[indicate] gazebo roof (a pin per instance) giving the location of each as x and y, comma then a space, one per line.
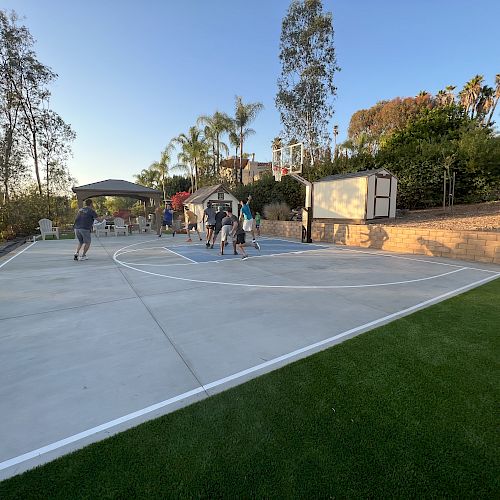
117, 186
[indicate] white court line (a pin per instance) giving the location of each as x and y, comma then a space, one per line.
231, 258
179, 255
19, 253
376, 254
149, 409
341, 248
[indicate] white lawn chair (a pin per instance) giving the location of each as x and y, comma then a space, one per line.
45, 226
120, 226
101, 228
144, 227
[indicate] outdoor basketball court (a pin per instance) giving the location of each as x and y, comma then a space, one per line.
147, 325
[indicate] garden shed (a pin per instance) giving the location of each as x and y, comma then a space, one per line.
356, 197
218, 195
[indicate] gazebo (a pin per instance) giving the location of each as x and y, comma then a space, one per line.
116, 187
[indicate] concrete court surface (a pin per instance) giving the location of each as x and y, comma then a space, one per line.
148, 325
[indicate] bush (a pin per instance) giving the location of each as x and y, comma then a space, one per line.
277, 211
178, 200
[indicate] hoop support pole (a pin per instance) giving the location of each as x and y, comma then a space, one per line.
307, 229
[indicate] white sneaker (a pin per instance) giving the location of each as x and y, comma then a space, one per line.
256, 245
84, 257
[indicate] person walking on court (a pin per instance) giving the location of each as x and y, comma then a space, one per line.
158, 219
168, 219
248, 221
191, 223
209, 220
228, 229
239, 240
218, 224
83, 226
257, 222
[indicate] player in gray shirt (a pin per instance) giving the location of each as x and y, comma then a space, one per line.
209, 218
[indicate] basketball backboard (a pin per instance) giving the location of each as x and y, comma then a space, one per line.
288, 160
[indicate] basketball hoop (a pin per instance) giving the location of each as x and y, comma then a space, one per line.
288, 160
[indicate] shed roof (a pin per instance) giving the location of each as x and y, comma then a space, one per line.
117, 185
362, 173
202, 194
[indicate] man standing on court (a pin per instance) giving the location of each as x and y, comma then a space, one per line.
168, 219
248, 220
83, 225
229, 227
209, 219
218, 224
191, 223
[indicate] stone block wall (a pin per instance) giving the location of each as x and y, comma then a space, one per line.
479, 246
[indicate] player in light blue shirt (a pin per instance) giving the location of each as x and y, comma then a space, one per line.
248, 223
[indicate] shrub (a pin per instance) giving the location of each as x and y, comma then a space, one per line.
178, 200
277, 211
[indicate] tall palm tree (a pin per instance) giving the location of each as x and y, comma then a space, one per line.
194, 149
234, 139
149, 178
469, 95
496, 97
244, 115
163, 165
218, 124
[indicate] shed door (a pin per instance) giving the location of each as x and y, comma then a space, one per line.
382, 196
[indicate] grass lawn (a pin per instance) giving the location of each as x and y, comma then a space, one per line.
406, 410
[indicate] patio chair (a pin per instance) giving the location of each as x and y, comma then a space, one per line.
101, 228
120, 226
45, 226
144, 227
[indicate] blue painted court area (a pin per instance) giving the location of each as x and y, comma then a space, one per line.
268, 247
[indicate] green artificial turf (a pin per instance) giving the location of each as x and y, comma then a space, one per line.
406, 410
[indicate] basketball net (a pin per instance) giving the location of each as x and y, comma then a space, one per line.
288, 160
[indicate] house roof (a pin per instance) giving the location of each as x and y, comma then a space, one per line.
362, 173
112, 186
202, 194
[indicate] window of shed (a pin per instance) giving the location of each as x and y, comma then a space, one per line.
220, 196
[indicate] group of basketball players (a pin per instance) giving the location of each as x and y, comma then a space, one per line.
223, 221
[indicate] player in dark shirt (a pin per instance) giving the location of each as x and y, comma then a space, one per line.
83, 226
218, 224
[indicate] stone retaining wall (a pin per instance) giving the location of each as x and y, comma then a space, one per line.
479, 246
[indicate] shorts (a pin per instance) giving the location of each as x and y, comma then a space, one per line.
217, 229
240, 238
257, 226
225, 232
193, 226
166, 223
247, 225
83, 236
210, 226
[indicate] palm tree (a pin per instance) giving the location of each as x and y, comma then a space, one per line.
217, 124
469, 95
496, 97
194, 152
244, 115
234, 139
149, 178
163, 165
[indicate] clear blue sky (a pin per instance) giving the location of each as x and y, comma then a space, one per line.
132, 74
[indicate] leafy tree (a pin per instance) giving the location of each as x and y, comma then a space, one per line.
244, 114
54, 138
308, 64
177, 183
149, 177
